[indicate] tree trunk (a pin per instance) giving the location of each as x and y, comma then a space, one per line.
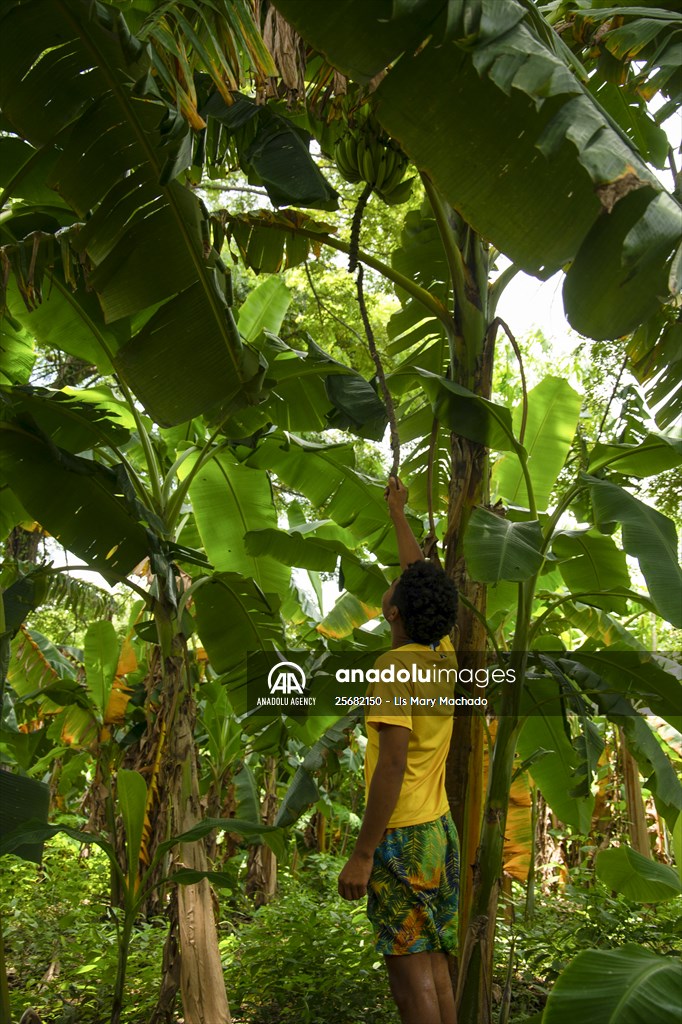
261, 875
639, 835
170, 968
23, 544
204, 1000
166, 755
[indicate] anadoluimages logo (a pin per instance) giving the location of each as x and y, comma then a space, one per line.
286, 677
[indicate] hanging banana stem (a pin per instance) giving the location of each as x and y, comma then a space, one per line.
490, 333
355, 227
430, 542
381, 376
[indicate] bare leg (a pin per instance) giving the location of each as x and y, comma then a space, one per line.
420, 983
440, 968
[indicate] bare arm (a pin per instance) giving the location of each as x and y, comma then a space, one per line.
396, 498
383, 795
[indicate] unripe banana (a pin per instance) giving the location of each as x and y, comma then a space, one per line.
382, 163
367, 166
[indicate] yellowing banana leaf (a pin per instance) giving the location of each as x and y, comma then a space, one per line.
347, 614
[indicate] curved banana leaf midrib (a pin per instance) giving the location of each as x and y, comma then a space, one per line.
247, 613
594, 564
220, 315
240, 511
639, 978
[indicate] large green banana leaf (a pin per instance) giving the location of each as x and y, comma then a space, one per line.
80, 502
272, 152
268, 241
71, 70
421, 258
327, 476
555, 774
302, 791
16, 353
637, 877
637, 676
469, 414
12, 512
513, 140
591, 562
587, 615
498, 549
607, 693
647, 535
628, 985
655, 353
317, 551
100, 656
230, 499
264, 308
23, 800
654, 455
233, 617
67, 320
553, 410
70, 423
313, 391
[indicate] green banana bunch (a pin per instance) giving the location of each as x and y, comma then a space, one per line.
364, 153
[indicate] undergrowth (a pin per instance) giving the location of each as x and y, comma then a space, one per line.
306, 958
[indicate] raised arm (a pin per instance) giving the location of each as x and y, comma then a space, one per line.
408, 548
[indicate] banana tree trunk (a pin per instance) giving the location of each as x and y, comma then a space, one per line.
464, 766
261, 876
472, 354
204, 999
639, 835
168, 759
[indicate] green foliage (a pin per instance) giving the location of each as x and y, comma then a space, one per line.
615, 985
636, 877
308, 958
569, 921
57, 924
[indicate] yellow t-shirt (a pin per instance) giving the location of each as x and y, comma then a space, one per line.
418, 682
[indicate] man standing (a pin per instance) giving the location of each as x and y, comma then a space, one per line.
406, 858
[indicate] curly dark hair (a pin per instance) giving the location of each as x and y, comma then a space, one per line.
427, 601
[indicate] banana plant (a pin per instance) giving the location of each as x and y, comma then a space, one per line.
629, 978
137, 878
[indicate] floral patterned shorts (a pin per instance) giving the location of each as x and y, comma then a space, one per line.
414, 888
